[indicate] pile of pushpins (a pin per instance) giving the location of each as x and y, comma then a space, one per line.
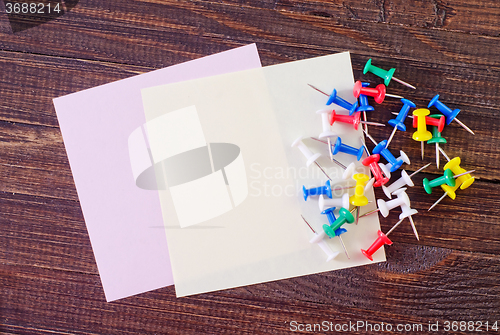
428, 129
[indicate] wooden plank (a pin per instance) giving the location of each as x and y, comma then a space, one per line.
416, 285
154, 34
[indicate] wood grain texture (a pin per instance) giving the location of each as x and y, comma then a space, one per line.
48, 276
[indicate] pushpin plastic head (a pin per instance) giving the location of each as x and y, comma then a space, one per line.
335, 99
341, 147
349, 171
325, 112
447, 178
378, 93
422, 134
381, 148
435, 120
386, 206
375, 168
454, 166
325, 203
451, 191
401, 182
386, 75
327, 190
359, 198
436, 133
448, 112
398, 122
310, 156
379, 242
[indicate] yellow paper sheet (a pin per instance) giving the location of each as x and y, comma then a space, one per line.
254, 232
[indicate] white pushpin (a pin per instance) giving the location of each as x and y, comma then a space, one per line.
325, 203
327, 132
310, 156
385, 170
349, 172
385, 206
369, 184
404, 180
407, 212
319, 239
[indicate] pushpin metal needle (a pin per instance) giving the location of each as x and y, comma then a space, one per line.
413, 227
364, 145
319, 166
403, 83
394, 96
394, 227
343, 246
330, 145
320, 91
444, 154
369, 213
370, 137
438, 201
423, 167
422, 148
464, 126
303, 218
392, 135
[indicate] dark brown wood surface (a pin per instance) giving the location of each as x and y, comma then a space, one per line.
49, 281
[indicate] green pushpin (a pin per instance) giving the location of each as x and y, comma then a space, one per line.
436, 137
447, 178
386, 75
344, 216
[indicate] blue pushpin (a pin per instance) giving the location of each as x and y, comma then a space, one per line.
364, 106
327, 190
381, 149
339, 146
329, 214
447, 112
333, 98
398, 122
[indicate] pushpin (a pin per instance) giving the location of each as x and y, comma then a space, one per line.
436, 138
364, 106
355, 120
334, 98
454, 165
447, 178
381, 149
327, 132
377, 172
450, 114
386, 168
406, 211
325, 203
404, 180
319, 239
398, 122
385, 206
378, 93
379, 242
359, 198
344, 216
341, 147
437, 121
334, 229
327, 190
422, 134
333, 159
310, 156
386, 75
448, 191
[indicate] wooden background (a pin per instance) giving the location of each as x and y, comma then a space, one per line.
49, 281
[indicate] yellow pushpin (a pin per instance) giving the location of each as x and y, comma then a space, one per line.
454, 166
448, 191
359, 198
422, 134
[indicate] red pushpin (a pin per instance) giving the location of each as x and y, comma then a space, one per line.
379, 242
379, 92
355, 120
372, 161
430, 121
